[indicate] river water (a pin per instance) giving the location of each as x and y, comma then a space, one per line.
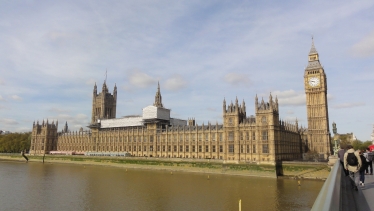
37, 186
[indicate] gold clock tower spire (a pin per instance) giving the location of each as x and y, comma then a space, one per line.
315, 83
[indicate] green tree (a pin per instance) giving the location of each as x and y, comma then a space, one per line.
365, 145
15, 142
356, 144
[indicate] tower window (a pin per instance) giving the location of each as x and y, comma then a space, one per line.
231, 136
265, 135
265, 148
231, 148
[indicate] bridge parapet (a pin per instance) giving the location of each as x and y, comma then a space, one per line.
337, 193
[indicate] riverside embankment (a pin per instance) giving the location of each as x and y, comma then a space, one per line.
303, 170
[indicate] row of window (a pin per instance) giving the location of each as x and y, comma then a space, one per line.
169, 148
264, 136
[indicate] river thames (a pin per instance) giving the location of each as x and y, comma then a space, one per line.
37, 186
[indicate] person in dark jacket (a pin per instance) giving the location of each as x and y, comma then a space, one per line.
363, 168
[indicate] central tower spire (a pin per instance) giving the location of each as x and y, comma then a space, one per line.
158, 97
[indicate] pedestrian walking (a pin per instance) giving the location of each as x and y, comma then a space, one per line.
341, 159
352, 163
369, 159
363, 168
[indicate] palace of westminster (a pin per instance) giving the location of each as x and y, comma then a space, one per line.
260, 138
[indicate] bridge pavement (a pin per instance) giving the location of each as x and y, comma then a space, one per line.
368, 191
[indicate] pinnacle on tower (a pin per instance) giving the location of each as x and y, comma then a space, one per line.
313, 48
65, 127
313, 61
115, 89
105, 88
158, 97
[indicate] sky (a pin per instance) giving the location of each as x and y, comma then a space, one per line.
202, 52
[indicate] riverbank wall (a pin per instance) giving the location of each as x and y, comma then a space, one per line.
293, 170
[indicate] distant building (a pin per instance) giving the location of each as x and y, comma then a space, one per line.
372, 136
347, 138
4, 132
262, 137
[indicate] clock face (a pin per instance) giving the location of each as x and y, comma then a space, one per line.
313, 81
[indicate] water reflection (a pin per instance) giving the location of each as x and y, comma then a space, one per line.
35, 186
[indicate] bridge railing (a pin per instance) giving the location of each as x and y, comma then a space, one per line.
337, 193
330, 194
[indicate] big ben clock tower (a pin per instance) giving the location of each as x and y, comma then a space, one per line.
315, 83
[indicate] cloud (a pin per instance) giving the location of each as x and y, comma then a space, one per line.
23, 129
291, 119
211, 109
237, 79
365, 47
81, 116
74, 121
9, 121
16, 97
57, 35
1, 98
59, 110
348, 105
140, 79
91, 81
290, 97
2, 82
175, 83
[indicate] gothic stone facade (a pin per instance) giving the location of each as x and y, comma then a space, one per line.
315, 82
262, 138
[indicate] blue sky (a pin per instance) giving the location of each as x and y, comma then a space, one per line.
52, 53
